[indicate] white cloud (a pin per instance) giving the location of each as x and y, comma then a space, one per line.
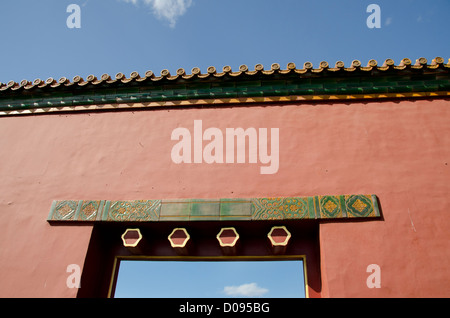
388, 21
131, 1
246, 290
169, 10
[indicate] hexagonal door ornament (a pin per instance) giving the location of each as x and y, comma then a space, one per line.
131, 239
179, 239
228, 239
279, 237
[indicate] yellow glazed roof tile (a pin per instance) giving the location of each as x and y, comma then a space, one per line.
212, 72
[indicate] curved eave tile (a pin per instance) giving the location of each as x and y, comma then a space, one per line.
196, 73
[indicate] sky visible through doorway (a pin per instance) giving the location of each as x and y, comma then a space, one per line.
210, 279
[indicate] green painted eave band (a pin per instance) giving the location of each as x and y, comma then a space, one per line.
227, 89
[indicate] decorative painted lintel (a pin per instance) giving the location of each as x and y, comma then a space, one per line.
279, 208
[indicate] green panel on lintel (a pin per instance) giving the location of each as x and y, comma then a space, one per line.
235, 209
175, 210
204, 210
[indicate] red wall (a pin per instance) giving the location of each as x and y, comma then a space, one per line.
398, 150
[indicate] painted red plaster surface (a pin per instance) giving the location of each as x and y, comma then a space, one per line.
399, 151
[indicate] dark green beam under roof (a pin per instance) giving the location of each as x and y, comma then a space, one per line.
307, 81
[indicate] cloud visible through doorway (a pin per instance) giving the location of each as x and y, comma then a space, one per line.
245, 290
169, 10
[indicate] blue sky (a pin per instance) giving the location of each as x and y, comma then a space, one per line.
218, 279
140, 35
